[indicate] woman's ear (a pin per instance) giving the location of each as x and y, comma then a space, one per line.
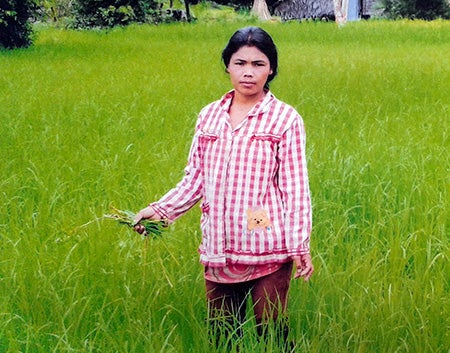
226, 70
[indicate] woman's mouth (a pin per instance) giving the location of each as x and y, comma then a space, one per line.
247, 84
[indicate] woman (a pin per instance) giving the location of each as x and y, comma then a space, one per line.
247, 164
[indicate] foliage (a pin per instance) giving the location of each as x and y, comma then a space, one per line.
153, 228
110, 13
207, 12
15, 29
247, 4
54, 10
420, 9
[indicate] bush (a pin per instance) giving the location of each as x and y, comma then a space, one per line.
420, 9
110, 13
54, 10
15, 28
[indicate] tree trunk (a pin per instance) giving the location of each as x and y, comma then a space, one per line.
188, 12
304, 9
340, 11
261, 10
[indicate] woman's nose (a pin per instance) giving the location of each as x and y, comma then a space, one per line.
248, 71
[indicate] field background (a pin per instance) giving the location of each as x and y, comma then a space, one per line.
93, 119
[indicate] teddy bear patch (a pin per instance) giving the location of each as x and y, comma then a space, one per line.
258, 220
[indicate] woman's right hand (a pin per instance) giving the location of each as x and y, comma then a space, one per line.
146, 213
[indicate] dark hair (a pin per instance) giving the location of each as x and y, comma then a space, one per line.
253, 37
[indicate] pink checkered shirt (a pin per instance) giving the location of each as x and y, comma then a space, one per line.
258, 165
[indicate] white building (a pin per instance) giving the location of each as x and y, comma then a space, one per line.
324, 9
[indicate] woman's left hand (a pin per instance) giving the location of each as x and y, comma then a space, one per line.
304, 266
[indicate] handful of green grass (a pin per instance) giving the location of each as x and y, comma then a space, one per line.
154, 228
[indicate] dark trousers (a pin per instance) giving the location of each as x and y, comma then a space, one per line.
227, 306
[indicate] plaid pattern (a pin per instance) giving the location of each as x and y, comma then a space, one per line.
237, 273
259, 164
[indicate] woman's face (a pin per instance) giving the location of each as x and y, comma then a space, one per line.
249, 69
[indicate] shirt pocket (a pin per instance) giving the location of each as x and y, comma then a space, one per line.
258, 241
206, 137
265, 137
264, 142
207, 144
263, 150
206, 141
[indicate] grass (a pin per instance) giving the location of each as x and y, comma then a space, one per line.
90, 119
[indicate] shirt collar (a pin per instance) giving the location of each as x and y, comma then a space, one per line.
261, 107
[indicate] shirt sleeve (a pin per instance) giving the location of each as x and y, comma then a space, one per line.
294, 186
187, 192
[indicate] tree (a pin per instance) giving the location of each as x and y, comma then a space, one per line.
15, 27
110, 13
54, 10
301, 9
261, 10
420, 9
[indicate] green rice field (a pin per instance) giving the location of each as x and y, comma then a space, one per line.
96, 119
